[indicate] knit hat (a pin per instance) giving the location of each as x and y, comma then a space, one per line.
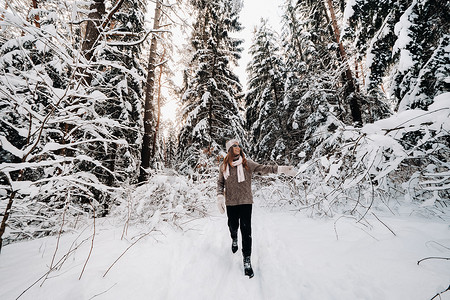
231, 143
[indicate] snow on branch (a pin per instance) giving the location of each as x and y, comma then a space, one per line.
353, 170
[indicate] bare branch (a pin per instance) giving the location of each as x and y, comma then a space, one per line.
439, 294
432, 257
92, 241
384, 224
144, 235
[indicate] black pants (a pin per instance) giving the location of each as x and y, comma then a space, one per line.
241, 215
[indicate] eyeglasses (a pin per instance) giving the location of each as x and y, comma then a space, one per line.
235, 145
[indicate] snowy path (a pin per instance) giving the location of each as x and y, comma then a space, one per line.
294, 257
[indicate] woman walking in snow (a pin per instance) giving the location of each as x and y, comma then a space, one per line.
234, 195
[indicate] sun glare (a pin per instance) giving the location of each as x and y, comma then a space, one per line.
169, 111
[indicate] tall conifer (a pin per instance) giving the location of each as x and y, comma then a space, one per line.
210, 104
264, 100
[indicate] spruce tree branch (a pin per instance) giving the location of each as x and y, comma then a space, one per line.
400, 126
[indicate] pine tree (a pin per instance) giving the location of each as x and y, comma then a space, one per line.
170, 146
431, 80
210, 104
264, 100
297, 48
371, 32
423, 59
404, 41
322, 92
350, 88
312, 88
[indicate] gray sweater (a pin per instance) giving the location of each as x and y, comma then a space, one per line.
240, 193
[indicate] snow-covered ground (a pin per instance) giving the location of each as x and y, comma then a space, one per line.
294, 257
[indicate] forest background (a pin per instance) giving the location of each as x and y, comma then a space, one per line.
354, 93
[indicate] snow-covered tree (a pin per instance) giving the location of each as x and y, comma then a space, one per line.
170, 146
118, 74
151, 122
422, 49
264, 100
370, 31
210, 104
297, 49
406, 152
404, 47
321, 89
70, 126
312, 90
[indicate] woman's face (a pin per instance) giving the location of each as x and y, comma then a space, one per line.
236, 149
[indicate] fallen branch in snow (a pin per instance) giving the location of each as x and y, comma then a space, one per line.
335, 228
123, 253
125, 226
57, 265
103, 291
92, 241
433, 257
437, 244
384, 224
59, 235
439, 294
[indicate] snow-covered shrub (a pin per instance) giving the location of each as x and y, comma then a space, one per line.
274, 191
169, 196
394, 161
405, 155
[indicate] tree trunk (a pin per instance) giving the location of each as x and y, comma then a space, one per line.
354, 105
97, 9
5, 218
295, 35
158, 104
96, 24
149, 108
36, 17
8, 211
356, 74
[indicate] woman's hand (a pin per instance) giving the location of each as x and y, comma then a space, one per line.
221, 203
288, 170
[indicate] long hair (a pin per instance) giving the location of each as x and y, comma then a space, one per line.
228, 160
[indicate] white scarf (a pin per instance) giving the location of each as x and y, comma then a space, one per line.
240, 170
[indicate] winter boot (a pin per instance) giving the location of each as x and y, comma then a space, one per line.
248, 267
234, 246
